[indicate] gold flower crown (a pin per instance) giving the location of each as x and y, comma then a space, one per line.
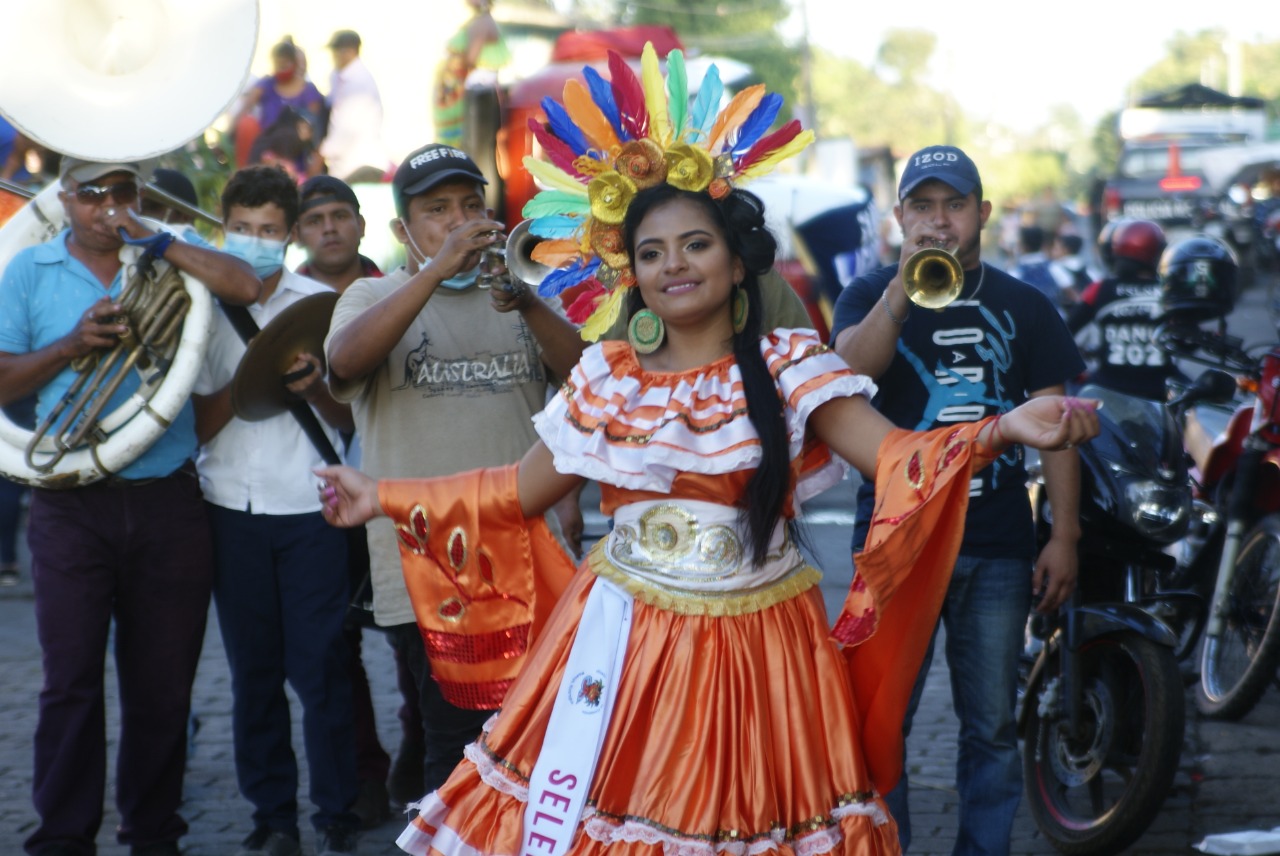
607, 140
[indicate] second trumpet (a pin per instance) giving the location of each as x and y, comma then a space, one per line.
932, 277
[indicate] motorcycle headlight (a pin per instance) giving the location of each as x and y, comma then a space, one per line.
1159, 511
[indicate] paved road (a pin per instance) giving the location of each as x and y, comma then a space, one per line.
1229, 778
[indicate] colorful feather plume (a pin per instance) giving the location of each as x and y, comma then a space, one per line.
755, 126
557, 151
628, 94
554, 177
677, 93
602, 94
562, 126
655, 96
732, 116
607, 139
551, 202
705, 106
562, 279
582, 109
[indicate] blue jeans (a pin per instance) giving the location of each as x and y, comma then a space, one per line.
985, 614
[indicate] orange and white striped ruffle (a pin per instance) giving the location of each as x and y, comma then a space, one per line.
616, 423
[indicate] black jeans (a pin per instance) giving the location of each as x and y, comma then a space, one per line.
446, 728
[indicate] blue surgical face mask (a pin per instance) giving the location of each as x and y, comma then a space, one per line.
265, 255
462, 279
459, 281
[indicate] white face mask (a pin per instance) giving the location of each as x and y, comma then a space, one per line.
457, 282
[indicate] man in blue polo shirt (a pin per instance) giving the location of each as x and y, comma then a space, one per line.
1000, 342
133, 548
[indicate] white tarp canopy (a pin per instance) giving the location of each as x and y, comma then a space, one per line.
1224, 164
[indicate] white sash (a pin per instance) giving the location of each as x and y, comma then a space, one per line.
580, 716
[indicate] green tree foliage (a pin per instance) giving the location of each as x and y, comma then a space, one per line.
745, 30
887, 105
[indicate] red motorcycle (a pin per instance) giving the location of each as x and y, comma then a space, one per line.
1228, 566
1231, 555
1237, 488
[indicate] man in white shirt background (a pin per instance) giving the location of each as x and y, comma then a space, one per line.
352, 147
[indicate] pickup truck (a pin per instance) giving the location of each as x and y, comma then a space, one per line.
1162, 180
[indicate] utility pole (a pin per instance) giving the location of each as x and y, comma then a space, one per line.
808, 113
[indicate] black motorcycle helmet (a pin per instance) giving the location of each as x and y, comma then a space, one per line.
1197, 280
1138, 241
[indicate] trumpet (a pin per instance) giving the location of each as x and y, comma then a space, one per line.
500, 262
932, 277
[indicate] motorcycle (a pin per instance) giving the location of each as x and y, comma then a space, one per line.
1103, 710
1231, 556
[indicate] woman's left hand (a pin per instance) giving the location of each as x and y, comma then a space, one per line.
1050, 422
348, 497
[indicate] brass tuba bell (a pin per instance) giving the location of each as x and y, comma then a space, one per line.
127, 80
932, 277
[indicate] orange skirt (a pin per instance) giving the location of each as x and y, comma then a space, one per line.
730, 734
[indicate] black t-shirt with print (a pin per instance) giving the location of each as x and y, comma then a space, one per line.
973, 359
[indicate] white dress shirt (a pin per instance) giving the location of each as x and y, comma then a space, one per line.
261, 467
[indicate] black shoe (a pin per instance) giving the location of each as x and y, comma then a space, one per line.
408, 772
58, 850
9, 577
372, 805
336, 840
269, 842
165, 848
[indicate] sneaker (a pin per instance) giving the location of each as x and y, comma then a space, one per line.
269, 842
8, 575
336, 840
372, 805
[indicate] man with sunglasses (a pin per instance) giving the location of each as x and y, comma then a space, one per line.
133, 548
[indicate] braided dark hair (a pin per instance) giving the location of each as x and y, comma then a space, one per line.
740, 219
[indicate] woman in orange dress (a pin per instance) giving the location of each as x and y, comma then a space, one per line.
686, 695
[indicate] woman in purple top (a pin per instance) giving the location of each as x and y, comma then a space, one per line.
286, 87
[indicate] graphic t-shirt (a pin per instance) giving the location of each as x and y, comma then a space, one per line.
458, 391
981, 355
1127, 313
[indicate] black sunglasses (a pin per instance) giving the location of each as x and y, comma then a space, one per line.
124, 193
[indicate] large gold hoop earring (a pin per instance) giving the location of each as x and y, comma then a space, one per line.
741, 305
646, 331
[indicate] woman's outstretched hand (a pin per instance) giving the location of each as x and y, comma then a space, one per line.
1050, 422
348, 497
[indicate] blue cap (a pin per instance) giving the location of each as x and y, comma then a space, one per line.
940, 163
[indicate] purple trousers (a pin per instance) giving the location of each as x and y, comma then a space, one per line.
138, 555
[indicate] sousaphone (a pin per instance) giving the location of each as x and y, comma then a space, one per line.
117, 80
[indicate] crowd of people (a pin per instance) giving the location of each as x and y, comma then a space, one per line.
550, 700
283, 119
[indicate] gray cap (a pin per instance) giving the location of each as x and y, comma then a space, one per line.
80, 171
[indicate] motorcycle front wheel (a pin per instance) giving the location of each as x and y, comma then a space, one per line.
1236, 667
1096, 791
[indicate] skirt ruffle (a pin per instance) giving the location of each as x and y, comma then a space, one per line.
732, 734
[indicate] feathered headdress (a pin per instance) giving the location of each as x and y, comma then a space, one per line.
606, 140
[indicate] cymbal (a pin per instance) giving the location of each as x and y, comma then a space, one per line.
258, 388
